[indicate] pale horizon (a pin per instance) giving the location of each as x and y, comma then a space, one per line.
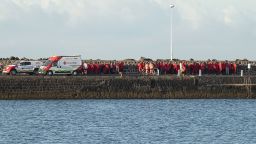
121, 29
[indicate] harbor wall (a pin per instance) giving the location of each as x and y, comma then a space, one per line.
143, 87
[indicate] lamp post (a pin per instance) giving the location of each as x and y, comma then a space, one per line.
171, 6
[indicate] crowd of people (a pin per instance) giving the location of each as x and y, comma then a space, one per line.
163, 67
191, 68
103, 68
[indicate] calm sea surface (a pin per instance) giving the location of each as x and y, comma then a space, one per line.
128, 121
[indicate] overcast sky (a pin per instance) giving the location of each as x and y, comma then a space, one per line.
119, 29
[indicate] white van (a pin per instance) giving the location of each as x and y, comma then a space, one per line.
55, 65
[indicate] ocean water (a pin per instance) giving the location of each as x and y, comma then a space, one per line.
128, 121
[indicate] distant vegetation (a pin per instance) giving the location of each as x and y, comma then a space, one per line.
23, 58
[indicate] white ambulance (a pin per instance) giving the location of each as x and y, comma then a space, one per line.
59, 65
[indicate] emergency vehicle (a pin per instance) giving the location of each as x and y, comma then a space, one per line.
59, 65
29, 67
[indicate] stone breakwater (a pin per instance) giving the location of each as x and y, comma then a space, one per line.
165, 87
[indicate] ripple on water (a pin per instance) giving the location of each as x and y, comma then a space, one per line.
128, 121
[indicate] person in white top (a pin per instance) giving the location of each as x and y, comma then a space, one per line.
85, 65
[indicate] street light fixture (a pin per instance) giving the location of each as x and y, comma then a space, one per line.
171, 6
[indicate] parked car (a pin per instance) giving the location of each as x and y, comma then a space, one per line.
29, 67
62, 65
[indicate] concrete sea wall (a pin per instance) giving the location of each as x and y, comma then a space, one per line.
163, 87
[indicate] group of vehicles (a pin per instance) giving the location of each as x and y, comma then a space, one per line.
55, 65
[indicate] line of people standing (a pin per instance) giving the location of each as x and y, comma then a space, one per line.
188, 67
163, 67
103, 67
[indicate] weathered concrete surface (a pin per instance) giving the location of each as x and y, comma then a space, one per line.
66, 87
